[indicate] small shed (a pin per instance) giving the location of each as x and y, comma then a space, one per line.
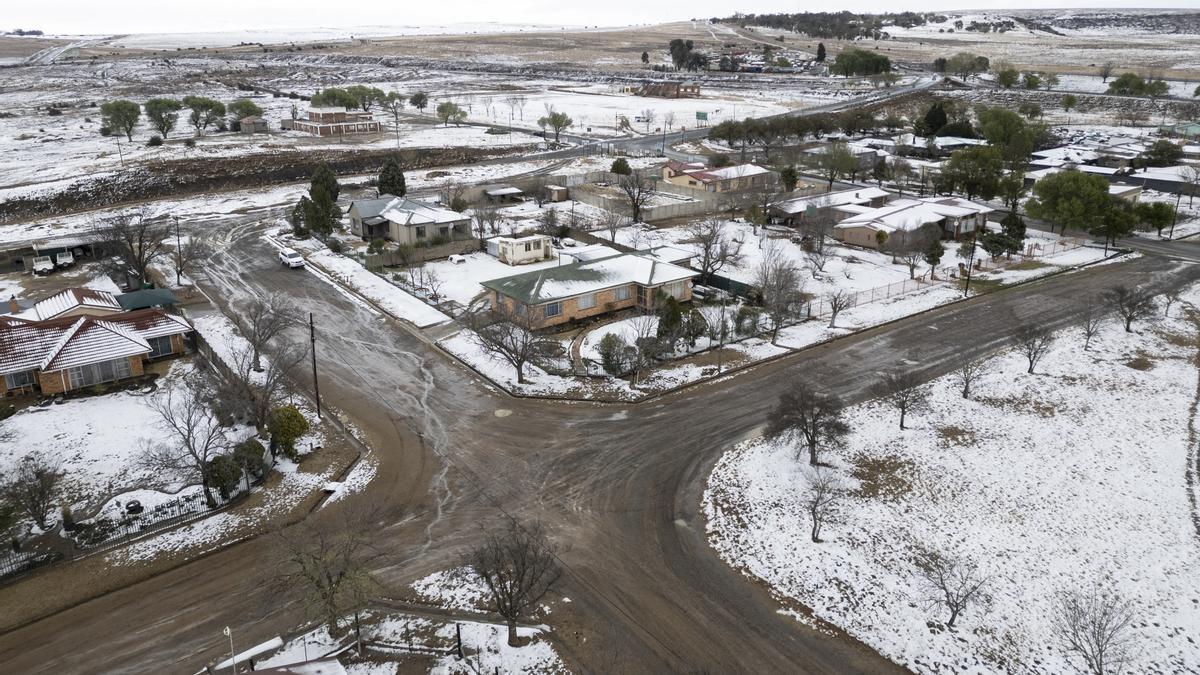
254, 125
503, 193
557, 193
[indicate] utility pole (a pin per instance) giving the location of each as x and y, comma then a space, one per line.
119, 152
1175, 215
971, 265
178, 256
312, 337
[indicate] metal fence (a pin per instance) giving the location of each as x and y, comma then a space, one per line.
822, 306
1036, 250
19, 563
105, 531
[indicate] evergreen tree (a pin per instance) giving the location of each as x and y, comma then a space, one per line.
670, 322
935, 119
820, 52
325, 177
391, 179
933, 254
322, 213
1013, 228
299, 217
620, 166
645, 57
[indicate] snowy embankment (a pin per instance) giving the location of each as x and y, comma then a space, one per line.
1069, 479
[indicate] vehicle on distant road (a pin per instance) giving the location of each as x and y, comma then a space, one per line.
289, 258
43, 265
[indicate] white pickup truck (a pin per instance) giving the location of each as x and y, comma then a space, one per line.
289, 258
43, 265
64, 260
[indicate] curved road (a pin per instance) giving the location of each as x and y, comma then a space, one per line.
618, 486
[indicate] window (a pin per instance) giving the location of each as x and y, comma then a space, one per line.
641, 296
421, 232
160, 346
96, 373
674, 289
18, 380
552, 309
622, 292
586, 301
444, 232
528, 247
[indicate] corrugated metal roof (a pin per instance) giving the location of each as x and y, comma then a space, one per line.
73, 298
66, 342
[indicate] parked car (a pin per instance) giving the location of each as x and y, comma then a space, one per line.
289, 258
43, 265
64, 260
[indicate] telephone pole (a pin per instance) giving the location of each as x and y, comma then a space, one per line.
312, 337
178, 255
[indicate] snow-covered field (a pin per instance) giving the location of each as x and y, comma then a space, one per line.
1070, 478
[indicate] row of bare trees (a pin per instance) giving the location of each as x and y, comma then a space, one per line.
130, 242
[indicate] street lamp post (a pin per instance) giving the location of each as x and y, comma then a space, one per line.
232, 654
1175, 215
178, 256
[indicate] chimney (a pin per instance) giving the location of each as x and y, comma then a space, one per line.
13, 305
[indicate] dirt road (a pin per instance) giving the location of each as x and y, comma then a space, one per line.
620, 485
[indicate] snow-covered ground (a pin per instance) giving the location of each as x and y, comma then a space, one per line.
1065, 479
96, 439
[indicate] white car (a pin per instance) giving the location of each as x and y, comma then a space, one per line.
43, 265
64, 260
289, 258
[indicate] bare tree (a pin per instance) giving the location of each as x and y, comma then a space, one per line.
782, 289
822, 498
518, 564
1190, 173
904, 391
434, 283
669, 119
536, 188
195, 435
815, 415
838, 300
648, 116
132, 239
817, 260
716, 249
242, 390
1093, 317
951, 583
33, 486
325, 564
1033, 342
1131, 304
266, 319
647, 347
1106, 69
637, 188
1097, 627
1170, 297
508, 334
197, 247
486, 218
612, 222
969, 372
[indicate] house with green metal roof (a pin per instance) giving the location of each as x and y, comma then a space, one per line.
557, 295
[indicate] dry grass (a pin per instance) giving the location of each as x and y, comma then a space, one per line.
885, 477
956, 435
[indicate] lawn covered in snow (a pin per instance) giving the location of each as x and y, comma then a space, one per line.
1068, 478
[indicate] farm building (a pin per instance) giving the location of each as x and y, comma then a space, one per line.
336, 122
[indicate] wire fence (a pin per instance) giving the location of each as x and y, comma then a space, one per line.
824, 306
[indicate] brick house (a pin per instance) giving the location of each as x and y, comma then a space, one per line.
558, 295
835, 206
950, 217
689, 89
699, 177
336, 122
82, 344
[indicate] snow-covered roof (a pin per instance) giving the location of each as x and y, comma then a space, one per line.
669, 254
404, 211
727, 172
908, 215
942, 142
521, 240
1068, 153
67, 342
1119, 189
589, 252
565, 281
839, 198
1082, 168
91, 340
502, 191
88, 299
1170, 174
